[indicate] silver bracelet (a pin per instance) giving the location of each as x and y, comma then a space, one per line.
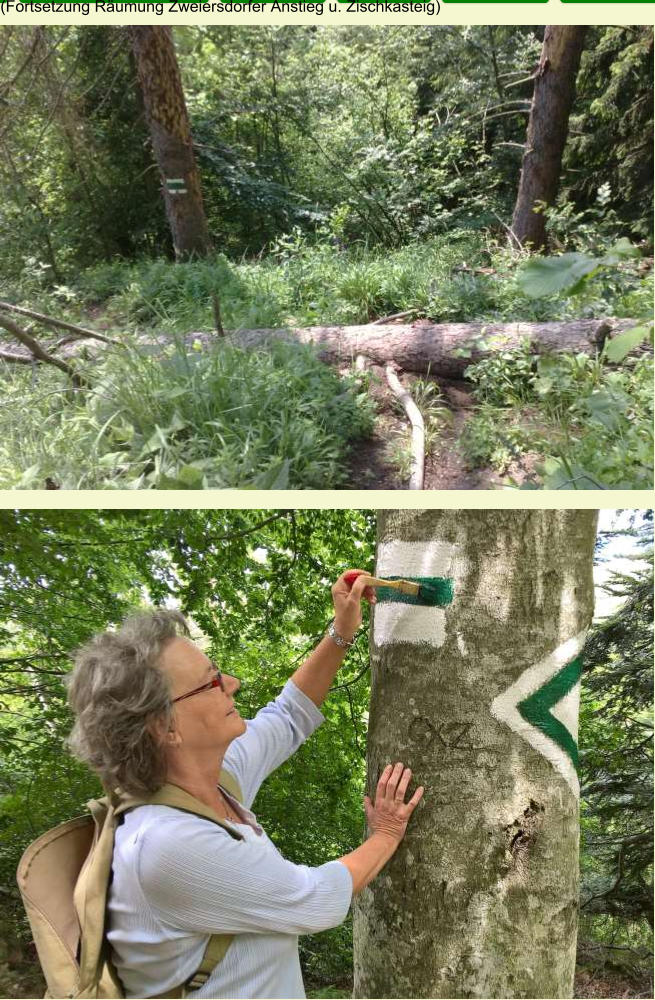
339, 639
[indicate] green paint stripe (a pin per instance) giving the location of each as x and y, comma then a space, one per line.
436, 591
536, 708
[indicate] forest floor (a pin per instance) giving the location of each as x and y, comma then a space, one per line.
21, 979
25, 981
381, 462
459, 445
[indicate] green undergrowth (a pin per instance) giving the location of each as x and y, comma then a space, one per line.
591, 421
461, 276
166, 417
220, 418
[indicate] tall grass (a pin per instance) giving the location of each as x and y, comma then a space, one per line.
172, 418
459, 277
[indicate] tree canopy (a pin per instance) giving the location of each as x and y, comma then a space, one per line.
381, 134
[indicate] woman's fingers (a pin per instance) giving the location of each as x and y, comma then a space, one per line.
392, 783
360, 590
382, 782
351, 584
416, 798
402, 785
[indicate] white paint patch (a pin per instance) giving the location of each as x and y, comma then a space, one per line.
461, 645
504, 708
568, 711
413, 623
409, 623
415, 558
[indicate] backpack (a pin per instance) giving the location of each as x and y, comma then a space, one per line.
64, 878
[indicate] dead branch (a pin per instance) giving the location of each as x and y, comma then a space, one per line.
79, 331
387, 319
418, 430
38, 352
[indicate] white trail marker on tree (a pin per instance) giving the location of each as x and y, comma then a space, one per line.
541, 706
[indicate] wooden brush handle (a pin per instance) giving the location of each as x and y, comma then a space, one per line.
375, 581
405, 586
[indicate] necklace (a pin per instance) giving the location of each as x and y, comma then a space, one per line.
229, 811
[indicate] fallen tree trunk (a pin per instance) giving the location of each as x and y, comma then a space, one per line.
443, 348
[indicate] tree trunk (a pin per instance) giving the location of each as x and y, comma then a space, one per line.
166, 113
481, 899
444, 348
554, 90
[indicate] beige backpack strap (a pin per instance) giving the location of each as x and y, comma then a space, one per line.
90, 895
231, 785
215, 952
177, 798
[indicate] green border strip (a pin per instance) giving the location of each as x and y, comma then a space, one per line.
535, 709
188, 3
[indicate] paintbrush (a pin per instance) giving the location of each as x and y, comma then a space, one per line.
428, 590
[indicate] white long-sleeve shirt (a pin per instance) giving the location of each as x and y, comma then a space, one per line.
177, 879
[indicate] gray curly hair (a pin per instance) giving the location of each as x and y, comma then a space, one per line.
116, 690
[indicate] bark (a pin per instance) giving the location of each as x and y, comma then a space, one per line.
168, 121
554, 91
444, 348
481, 898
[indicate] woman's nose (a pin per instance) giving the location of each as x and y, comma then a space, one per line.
232, 684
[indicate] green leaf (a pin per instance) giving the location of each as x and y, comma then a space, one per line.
603, 408
156, 442
558, 474
276, 477
549, 275
112, 458
623, 249
190, 477
177, 423
30, 477
618, 347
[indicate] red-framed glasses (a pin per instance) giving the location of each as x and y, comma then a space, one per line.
215, 682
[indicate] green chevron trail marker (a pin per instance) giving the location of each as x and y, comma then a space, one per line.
542, 705
537, 708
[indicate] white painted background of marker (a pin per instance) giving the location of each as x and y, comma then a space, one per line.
410, 622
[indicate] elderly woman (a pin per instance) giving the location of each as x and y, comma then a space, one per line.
152, 709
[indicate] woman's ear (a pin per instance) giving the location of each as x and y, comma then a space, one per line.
173, 738
163, 731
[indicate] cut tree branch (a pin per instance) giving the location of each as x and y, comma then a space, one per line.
79, 331
38, 352
418, 430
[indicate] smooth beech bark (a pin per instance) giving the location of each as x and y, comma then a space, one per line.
481, 898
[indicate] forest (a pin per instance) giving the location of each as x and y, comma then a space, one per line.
256, 584
310, 257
